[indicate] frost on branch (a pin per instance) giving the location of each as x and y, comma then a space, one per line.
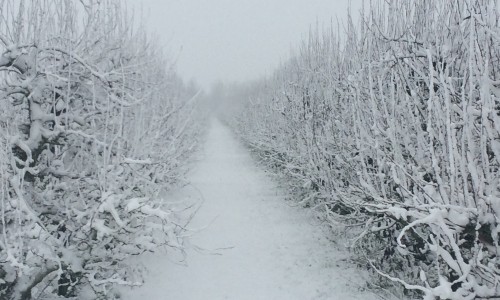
94, 126
393, 131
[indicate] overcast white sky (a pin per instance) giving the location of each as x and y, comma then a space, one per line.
235, 40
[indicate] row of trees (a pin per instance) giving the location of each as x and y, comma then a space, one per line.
94, 126
395, 130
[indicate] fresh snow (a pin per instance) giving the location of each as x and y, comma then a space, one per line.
247, 241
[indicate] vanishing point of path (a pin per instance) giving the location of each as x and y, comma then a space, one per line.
254, 244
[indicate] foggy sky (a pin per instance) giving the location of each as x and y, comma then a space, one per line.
235, 40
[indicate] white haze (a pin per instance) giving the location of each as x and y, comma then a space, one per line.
236, 40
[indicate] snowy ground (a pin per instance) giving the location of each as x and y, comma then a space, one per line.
256, 246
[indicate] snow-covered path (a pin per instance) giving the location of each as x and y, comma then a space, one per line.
256, 245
